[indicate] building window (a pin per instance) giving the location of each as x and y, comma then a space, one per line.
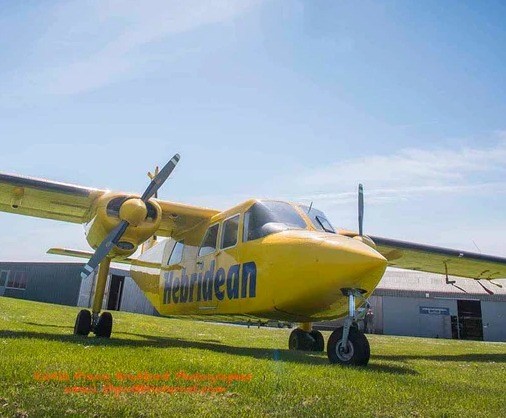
16, 280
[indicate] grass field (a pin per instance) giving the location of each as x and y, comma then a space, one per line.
405, 377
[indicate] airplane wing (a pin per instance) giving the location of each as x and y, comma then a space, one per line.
412, 256
46, 199
179, 219
70, 203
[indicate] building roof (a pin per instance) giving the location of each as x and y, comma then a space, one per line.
409, 283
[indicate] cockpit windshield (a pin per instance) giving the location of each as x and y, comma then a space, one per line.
267, 217
318, 219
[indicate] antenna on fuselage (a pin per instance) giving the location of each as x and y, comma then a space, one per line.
310, 206
476, 245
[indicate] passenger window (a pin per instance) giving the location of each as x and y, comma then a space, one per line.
209, 243
177, 254
229, 232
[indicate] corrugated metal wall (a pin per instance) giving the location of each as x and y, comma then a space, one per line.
61, 283
47, 282
494, 321
403, 316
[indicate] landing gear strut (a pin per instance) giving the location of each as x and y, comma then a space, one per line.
86, 322
348, 345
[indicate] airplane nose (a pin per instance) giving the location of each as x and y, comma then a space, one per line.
323, 266
348, 262
351, 257
342, 263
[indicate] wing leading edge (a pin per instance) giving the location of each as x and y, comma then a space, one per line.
71, 203
412, 256
46, 199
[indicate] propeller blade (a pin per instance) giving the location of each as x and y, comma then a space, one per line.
104, 248
360, 210
160, 178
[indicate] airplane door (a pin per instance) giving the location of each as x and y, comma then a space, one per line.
228, 266
206, 269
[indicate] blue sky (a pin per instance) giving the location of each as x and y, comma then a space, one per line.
300, 100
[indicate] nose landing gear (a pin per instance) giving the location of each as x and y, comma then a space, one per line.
348, 345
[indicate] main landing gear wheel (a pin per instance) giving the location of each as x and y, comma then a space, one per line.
355, 353
104, 325
319, 342
306, 341
83, 323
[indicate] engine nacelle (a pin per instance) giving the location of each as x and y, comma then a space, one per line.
362, 238
111, 209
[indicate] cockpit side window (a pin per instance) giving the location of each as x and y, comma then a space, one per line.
318, 219
229, 232
268, 217
327, 227
209, 242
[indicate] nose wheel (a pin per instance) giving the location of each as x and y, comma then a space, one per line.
348, 345
353, 352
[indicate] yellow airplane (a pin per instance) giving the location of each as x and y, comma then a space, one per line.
262, 259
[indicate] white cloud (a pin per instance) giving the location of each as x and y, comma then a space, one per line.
410, 172
92, 43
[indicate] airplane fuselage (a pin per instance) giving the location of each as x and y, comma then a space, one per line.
290, 274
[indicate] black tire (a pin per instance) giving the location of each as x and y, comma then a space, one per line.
104, 325
358, 352
319, 342
300, 340
367, 349
83, 323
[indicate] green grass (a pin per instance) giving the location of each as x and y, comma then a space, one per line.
405, 377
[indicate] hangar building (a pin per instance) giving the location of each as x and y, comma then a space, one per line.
427, 305
61, 283
405, 302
